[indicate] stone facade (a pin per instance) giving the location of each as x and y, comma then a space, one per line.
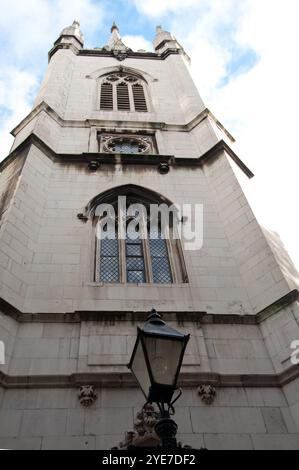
62, 330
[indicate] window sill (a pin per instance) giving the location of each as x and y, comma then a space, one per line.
142, 284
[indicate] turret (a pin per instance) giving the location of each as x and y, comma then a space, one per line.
70, 37
165, 41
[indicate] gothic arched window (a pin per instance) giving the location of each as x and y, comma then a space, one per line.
131, 251
121, 91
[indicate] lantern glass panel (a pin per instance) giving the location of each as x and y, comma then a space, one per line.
139, 369
164, 357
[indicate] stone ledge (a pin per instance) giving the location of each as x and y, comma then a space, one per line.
100, 52
292, 296
126, 380
135, 159
111, 317
148, 126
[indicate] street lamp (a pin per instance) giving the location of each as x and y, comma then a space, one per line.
156, 361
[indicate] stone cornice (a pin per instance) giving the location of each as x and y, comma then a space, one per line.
163, 43
112, 317
127, 125
68, 36
274, 308
154, 125
111, 159
214, 152
61, 46
126, 380
104, 53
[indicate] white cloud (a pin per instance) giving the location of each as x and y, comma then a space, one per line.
260, 106
20, 87
206, 36
31, 26
157, 8
137, 42
16, 88
28, 30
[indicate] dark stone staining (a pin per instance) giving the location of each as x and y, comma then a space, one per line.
8, 180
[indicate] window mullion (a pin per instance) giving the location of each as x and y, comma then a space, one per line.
146, 97
147, 262
122, 250
131, 98
178, 257
171, 256
114, 93
146, 251
122, 261
98, 261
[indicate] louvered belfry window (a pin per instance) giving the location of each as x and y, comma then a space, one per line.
123, 92
123, 101
139, 98
106, 96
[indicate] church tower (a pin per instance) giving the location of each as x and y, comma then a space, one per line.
107, 123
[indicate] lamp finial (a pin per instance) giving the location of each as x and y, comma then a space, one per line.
154, 315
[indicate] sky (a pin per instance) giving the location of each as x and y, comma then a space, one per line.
244, 61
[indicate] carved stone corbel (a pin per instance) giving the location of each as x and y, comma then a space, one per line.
207, 393
93, 165
163, 168
87, 395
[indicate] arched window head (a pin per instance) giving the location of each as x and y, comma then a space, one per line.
121, 91
135, 243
